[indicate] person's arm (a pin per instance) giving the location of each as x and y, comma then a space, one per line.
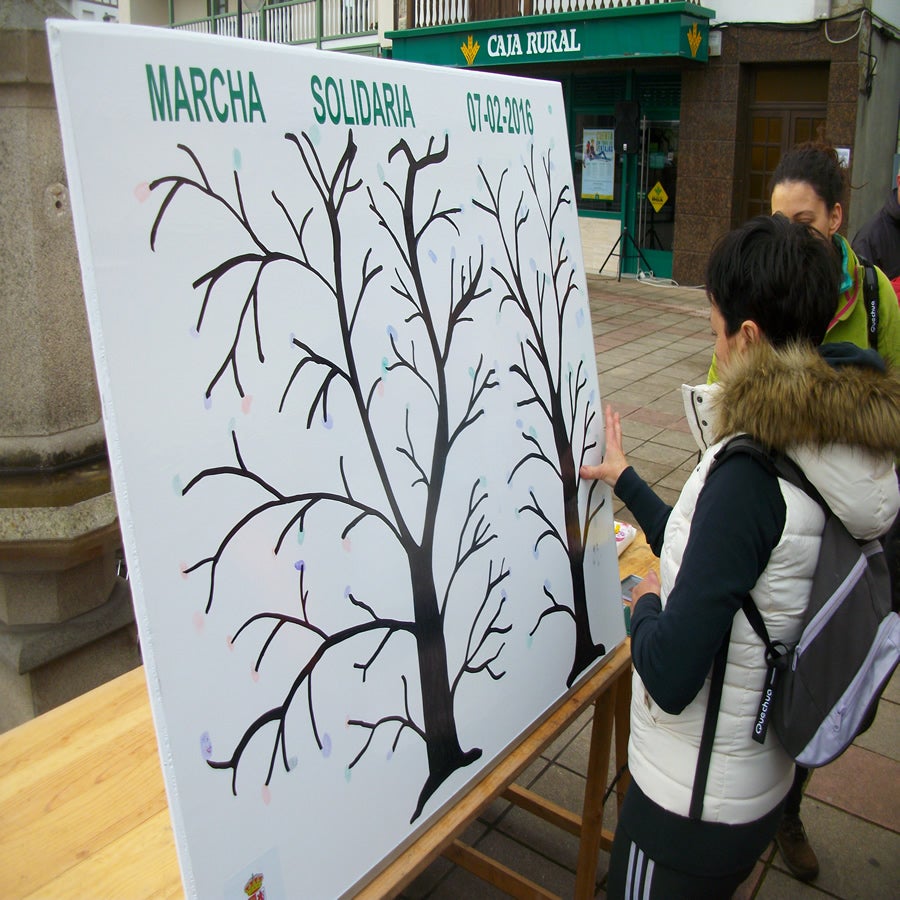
862, 245
738, 520
888, 321
651, 512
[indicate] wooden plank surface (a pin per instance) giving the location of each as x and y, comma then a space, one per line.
83, 808
75, 781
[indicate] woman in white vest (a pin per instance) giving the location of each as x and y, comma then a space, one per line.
835, 410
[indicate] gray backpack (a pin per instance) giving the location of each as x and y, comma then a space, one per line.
822, 691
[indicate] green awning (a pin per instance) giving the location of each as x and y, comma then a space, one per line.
671, 30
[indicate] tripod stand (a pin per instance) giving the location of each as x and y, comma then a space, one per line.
624, 234
651, 238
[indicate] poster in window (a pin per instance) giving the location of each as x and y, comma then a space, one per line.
599, 163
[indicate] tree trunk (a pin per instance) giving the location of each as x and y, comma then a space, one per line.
445, 755
586, 651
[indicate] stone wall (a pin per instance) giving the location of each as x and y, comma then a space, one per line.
66, 619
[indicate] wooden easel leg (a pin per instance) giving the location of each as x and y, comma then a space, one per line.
623, 730
592, 814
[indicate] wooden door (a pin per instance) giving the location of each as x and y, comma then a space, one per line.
773, 130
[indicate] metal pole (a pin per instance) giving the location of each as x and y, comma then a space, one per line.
240, 28
643, 181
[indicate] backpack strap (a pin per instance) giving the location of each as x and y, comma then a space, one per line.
774, 461
870, 297
778, 658
704, 755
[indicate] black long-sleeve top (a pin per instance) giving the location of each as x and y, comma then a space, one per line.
738, 521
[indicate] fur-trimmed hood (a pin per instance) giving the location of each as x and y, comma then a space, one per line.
840, 423
793, 396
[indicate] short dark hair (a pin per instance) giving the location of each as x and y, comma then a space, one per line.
779, 274
817, 165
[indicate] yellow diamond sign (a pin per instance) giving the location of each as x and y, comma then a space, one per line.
657, 197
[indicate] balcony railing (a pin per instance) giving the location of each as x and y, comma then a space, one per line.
427, 13
315, 21
295, 21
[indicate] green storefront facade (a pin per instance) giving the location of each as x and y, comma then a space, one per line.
620, 70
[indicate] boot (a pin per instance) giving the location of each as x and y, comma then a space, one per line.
796, 852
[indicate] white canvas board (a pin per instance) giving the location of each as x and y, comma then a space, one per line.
343, 344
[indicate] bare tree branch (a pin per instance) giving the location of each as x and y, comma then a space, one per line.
279, 713
474, 646
479, 536
405, 721
479, 386
555, 607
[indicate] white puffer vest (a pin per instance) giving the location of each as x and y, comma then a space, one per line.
848, 456
746, 780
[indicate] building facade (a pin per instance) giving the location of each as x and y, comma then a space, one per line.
677, 112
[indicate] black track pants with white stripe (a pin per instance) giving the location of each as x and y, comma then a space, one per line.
634, 876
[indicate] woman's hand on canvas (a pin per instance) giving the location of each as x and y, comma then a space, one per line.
614, 462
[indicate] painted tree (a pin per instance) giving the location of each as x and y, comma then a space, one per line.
421, 353
542, 292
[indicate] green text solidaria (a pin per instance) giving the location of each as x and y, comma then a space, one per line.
353, 101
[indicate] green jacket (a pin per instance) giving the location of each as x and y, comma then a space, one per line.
850, 318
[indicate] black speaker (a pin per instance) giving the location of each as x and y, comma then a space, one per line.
628, 132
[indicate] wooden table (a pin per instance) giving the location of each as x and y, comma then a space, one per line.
83, 809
